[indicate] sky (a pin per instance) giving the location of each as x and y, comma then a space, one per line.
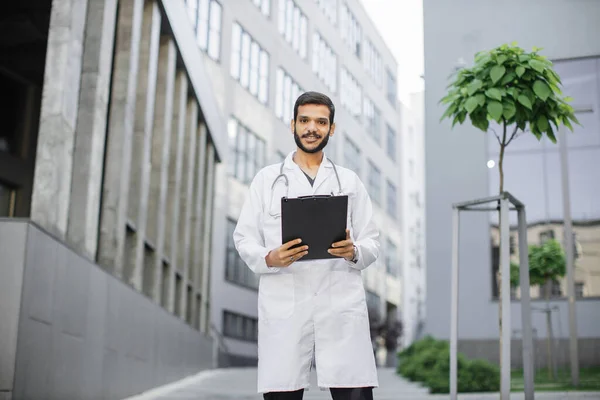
400, 23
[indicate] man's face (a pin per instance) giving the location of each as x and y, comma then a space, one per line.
312, 128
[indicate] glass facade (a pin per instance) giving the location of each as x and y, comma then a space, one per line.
248, 152
293, 26
206, 18
250, 64
324, 62
287, 91
532, 171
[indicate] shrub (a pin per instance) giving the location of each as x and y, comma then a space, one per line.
428, 361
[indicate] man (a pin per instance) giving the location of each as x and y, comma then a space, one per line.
310, 307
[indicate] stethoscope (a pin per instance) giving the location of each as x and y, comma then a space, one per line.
287, 185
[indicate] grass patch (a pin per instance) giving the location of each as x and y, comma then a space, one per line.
589, 380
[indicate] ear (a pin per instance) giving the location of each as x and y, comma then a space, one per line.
292, 125
332, 130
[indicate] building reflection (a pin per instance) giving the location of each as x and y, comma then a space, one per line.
586, 252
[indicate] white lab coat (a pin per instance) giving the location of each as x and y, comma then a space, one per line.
314, 305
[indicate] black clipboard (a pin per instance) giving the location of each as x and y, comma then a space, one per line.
318, 220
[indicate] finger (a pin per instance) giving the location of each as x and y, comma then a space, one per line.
296, 258
291, 243
293, 259
292, 252
341, 252
343, 243
347, 234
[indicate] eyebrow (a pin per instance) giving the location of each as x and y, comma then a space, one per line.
318, 118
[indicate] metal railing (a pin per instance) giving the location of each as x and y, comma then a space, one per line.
219, 344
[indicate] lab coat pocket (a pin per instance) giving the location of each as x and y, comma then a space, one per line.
347, 292
276, 296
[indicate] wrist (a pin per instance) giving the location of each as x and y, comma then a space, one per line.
354, 257
268, 259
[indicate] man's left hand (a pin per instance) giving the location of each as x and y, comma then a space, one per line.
344, 249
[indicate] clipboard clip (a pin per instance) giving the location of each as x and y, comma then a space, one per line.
313, 197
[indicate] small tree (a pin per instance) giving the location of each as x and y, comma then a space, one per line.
514, 274
547, 263
517, 90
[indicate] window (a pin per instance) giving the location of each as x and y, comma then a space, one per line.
551, 287
546, 235
324, 62
391, 88
350, 93
329, 8
391, 200
372, 63
248, 152
250, 64
16, 138
236, 270
206, 20
6, 202
374, 183
352, 156
391, 143
556, 290
372, 119
351, 30
293, 26
579, 290
287, 93
576, 247
240, 327
391, 263
264, 6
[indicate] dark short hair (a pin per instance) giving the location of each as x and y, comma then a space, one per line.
314, 98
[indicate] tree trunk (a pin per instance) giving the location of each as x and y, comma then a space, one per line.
501, 172
550, 336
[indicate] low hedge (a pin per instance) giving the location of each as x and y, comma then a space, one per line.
428, 361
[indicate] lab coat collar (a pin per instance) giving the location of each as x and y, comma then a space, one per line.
325, 170
290, 164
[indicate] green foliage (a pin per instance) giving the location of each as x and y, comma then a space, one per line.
514, 274
546, 262
511, 87
428, 361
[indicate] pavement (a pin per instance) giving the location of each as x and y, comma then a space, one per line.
240, 384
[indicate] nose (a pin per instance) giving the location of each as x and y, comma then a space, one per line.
312, 126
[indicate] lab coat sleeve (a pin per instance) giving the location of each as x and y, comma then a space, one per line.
364, 232
248, 234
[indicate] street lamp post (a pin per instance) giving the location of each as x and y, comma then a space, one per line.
568, 232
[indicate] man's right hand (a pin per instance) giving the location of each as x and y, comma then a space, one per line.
283, 256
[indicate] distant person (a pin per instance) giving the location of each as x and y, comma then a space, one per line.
318, 306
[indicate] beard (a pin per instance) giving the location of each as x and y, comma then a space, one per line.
317, 149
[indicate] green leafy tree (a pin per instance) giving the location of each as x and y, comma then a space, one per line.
547, 263
516, 90
514, 274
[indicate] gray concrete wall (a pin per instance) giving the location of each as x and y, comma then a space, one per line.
456, 159
487, 349
83, 334
12, 258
